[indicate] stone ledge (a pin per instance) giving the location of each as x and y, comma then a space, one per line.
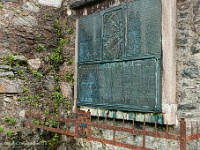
81, 3
137, 116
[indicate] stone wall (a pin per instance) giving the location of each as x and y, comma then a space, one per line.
36, 66
188, 58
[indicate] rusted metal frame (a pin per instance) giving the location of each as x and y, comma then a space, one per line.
182, 134
138, 131
87, 115
193, 136
144, 128
114, 132
89, 128
82, 118
115, 143
51, 129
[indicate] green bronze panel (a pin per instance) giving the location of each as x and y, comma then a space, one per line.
90, 38
113, 34
143, 27
119, 58
125, 84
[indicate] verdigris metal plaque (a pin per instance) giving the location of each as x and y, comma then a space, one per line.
143, 27
113, 33
120, 85
90, 38
119, 58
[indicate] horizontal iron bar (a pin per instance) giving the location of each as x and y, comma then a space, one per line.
193, 137
137, 131
106, 141
56, 130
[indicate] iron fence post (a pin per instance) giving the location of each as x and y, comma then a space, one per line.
182, 134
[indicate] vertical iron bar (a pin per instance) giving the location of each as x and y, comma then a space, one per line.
123, 122
192, 132
197, 130
98, 119
155, 128
144, 128
58, 126
88, 126
105, 120
182, 134
114, 131
133, 126
167, 129
76, 125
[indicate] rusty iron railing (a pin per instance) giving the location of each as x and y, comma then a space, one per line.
83, 125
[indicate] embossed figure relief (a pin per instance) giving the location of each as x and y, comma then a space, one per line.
113, 35
119, 58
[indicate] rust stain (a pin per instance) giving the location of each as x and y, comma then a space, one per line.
2, 89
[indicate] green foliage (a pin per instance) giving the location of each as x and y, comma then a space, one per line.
9, 120
24, 14
40, 47
57, 87
67, 104
56, 56
9, 58
56, 77
67, 40
70, 31
22, 99
37, 74
1, 129
45, 16
51, 123
39, 36
30, 97
58, 96
70, 61
17, 11
1, 6
36, 121
36, 4
57, 26
36, 104
42, 95
9, 133
37, 96
6, 119
53, 142
20, 72
69, 77
12, 121
46, 112
24, 90
62, 41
